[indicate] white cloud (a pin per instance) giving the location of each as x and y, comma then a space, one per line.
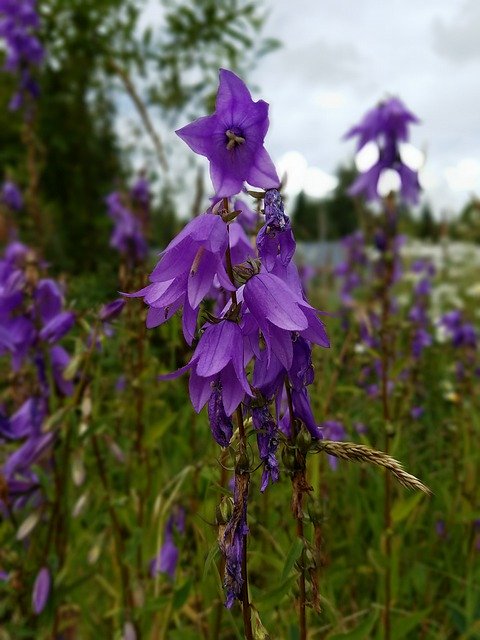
464, 176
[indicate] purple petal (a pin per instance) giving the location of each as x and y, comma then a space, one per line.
41, 590
263, 173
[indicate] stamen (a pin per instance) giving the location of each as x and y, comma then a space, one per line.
196, 262
233, 139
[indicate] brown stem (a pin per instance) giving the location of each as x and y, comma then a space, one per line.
385, 356
299, 484
246, 609
128, 601
142, 111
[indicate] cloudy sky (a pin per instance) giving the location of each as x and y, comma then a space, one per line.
341, 56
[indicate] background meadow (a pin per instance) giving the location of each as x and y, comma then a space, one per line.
113, 493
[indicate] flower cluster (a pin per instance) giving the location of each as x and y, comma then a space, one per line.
33, 321
257, 347
19, 23
386, 125
419, 312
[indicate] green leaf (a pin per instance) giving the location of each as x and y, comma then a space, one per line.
362, 632
401, 627
403, 508
181, 594
212, 556
292, 556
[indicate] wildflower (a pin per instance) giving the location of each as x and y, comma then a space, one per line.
41, 590
166, 561
232, 139
386, 125
186, 271
278, 312
218, 358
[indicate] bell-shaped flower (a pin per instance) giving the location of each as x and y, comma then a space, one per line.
186, 271
232, 139
390, 118
279, 311
217, 360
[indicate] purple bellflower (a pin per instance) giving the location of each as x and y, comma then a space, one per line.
167, 560
232, 139
387, 125
217, 360
186, 271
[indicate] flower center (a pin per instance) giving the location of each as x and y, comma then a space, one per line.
234, 138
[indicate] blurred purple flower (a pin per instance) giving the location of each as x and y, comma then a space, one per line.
333, 430
111, 310
41, 590
387, 124
11, 196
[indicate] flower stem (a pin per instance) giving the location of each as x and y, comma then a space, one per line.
246, 609
385, 356
298, 484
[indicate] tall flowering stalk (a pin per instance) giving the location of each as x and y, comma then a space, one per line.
386, 125
257, 346
33, 322
19, 29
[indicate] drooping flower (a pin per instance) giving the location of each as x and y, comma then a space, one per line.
186, 271
218, 358
278, 311
232, 139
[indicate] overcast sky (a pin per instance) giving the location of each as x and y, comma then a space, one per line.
339, 57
